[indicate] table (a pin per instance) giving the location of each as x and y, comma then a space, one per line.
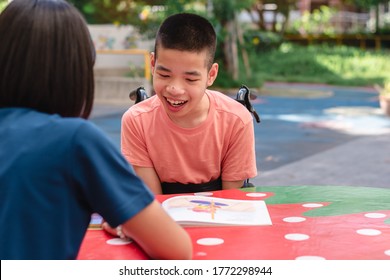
308, 222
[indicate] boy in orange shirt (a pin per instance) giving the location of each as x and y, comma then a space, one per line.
187, 138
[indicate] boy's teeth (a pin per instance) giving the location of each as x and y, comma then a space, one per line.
173, 102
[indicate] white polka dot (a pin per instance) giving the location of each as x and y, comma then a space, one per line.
294, 219
310, 258
201, 254
256, 194
203, 194
387, 252
312, 205
368, 231
210, 241
118, 241
296, 236
375, 215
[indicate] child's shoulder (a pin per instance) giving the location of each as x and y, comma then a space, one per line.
222, 98
226, 103
146, 106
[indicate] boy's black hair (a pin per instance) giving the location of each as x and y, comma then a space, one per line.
187, 32
46, 58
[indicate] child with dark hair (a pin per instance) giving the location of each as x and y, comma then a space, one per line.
56, 167
187, 138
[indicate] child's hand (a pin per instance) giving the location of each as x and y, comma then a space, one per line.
115, 231
109, 229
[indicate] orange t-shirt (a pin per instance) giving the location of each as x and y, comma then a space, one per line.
223, 145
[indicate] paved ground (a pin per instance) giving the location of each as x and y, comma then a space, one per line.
361, 162
309, 135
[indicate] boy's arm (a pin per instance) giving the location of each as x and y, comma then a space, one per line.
133, 146
150, 177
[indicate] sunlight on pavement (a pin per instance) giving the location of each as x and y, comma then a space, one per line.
349, 120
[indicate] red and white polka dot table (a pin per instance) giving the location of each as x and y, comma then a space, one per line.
308, 222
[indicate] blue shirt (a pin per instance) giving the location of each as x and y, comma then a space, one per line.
54, 173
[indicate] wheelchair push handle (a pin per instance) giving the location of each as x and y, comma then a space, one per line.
242, 96
138, 95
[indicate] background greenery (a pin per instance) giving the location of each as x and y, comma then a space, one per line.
261, 55
337, 65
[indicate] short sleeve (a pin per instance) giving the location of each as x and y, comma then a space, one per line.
107, 181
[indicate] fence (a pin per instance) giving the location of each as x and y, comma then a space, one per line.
376, 42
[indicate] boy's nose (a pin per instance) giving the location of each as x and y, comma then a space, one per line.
175, 90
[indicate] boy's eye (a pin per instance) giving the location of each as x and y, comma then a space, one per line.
164, 75
192, 80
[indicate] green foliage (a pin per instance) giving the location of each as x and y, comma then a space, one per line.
3, 4
225, 10
145, 15
270, 59
224, 80
338, 65
107, 11
316, 22
262, 40
366, 3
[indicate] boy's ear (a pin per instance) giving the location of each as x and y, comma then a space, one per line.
213, 72
152, 61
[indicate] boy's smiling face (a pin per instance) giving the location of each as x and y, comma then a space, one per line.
180, 79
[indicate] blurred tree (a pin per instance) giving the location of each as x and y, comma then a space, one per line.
225, 13
316, 22
283, 7
107, 11
146, 15
366, 3
3, 4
